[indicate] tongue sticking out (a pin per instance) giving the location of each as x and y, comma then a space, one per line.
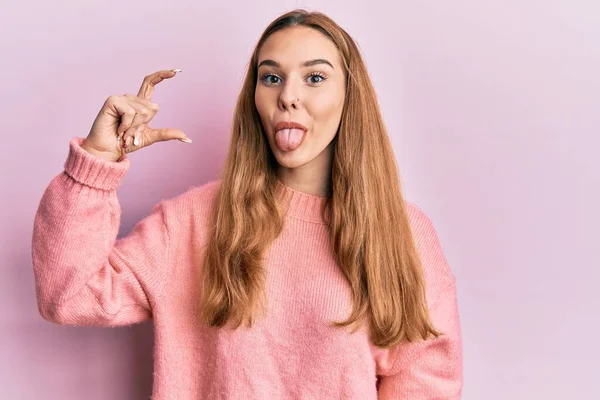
289, 139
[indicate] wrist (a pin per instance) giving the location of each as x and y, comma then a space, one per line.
107, 156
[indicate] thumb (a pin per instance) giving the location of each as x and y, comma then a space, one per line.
165, 134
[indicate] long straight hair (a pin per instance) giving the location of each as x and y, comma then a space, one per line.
368, 224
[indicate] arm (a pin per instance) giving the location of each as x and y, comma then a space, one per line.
83, 275
431, 369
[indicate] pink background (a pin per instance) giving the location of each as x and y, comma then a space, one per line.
493, 109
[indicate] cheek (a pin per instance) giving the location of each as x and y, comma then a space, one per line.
262, 106
326, 111
259, 101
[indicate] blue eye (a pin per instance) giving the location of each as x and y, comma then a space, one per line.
266, 78
316, 75
271, 79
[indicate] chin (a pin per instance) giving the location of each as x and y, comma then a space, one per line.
291, 159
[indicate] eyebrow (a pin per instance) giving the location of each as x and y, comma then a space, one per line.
308, 63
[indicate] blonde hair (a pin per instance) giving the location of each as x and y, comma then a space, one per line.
368, 223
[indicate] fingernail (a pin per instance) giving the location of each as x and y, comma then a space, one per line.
135, 141
186, 140
176, 70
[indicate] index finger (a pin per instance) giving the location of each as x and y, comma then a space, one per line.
147, 89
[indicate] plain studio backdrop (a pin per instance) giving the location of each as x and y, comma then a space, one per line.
494, 112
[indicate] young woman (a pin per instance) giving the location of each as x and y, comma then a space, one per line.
301, 273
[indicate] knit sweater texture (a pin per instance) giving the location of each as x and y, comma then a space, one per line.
85, 276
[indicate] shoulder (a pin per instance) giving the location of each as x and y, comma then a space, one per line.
415, 214
421, 226
196, 196
435, 266
191, 209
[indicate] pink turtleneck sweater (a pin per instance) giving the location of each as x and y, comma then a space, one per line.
85, 276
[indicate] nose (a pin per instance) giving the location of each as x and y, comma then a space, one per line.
289, 97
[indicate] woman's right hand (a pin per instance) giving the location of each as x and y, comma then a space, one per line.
121, 126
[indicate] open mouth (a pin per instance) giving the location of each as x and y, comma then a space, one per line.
289, 135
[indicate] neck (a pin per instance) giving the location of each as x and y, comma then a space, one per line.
313, 178
303, 205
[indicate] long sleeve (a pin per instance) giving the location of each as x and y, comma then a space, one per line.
83, 274
430, 369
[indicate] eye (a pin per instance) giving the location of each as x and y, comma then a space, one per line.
270, 79
316, 77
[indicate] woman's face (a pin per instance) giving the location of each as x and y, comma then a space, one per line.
300, 81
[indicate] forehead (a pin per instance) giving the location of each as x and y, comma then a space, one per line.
294, 45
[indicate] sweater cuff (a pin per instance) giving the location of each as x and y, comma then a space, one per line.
93, 171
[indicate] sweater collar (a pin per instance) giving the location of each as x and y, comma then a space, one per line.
302, 205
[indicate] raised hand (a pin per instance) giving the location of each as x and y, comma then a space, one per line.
121, 126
